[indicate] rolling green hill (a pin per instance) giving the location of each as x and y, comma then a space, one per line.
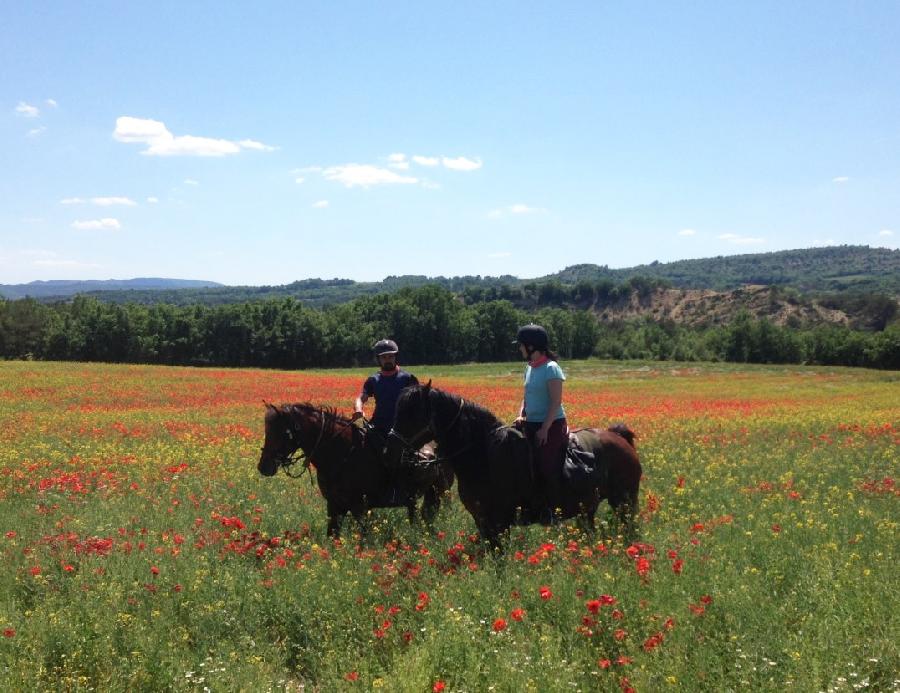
840, 269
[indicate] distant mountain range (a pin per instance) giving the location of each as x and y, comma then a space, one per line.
836, 269
59, 288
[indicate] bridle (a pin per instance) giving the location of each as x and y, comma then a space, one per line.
304, 458
409, 442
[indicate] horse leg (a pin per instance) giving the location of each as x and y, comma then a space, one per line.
335, 519
431, 503
625, 506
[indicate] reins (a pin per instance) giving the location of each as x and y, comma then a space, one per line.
291, 460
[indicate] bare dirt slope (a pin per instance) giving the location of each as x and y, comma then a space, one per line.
708, 307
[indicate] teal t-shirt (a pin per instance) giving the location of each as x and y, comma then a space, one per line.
537, 396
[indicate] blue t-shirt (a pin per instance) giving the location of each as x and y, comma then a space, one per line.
537, 393
386, 389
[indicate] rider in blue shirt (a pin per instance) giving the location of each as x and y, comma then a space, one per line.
542, 416
384, 386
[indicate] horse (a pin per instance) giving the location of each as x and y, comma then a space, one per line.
496, 480
352, 474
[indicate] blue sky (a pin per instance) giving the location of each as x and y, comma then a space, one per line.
264, 143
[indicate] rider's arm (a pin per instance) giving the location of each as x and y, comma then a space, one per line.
360, 401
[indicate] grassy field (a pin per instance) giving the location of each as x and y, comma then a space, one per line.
141, 550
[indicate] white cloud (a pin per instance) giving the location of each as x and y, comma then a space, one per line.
60, 262
52, 103
258, 146
105, 224
687, 232
99, 201
740, 240
397, 158
840, 179
427, 160
161, 142
321, 204
885, 232
514, 209
365, 176
110, 201
191, 181
36, 257
26, 110
461, 163
400, 165
525, 209
299, 180
34, 132
152, 200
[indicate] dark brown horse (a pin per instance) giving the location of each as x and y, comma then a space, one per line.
492, 462
352, 473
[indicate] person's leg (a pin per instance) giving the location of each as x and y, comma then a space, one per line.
551, 458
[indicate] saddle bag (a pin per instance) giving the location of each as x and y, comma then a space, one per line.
580, 465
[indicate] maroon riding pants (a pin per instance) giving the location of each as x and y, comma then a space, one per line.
549, 456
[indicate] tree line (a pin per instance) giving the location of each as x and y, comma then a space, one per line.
431, 323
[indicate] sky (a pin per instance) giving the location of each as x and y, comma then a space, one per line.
262, 143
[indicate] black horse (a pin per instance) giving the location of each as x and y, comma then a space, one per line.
352, 473
493, 463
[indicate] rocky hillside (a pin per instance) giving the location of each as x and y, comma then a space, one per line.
701, 307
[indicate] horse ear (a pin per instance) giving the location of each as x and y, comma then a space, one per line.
269, 406
427, 386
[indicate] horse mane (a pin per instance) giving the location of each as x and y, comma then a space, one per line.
470, 412
329, 414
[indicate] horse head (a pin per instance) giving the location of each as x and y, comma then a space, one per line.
282, 439
412, 420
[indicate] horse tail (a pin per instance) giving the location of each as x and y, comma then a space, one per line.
623, 430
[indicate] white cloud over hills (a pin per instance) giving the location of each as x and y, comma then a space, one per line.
161, 142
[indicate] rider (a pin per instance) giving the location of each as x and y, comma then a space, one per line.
542, 414
385, 387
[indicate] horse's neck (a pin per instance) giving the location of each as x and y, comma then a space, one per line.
314, 433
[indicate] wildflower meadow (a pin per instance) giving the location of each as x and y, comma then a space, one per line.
141, 549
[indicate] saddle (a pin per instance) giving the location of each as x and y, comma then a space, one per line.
580, 465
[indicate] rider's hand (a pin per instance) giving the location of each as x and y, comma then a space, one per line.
519, 422
541, 435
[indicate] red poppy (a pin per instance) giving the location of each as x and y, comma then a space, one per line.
154, 570
604, 663
593, 605
351, 675
517, 614
677, 566
499, 625
620, 634
9, 632
438, 686
545, 592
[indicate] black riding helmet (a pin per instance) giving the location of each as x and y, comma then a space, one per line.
533, 336
385, 346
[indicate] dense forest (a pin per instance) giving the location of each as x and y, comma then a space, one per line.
431, 323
